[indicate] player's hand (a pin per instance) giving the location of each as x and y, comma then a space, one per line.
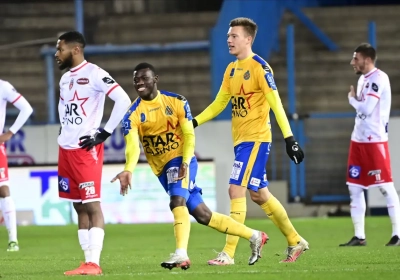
293, 150
352, 93
125, 178
88, 142
5, 136
182, 172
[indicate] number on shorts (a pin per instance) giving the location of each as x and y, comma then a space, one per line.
90, 191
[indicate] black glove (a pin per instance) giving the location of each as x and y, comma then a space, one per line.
88, 142
293, 150
195, 124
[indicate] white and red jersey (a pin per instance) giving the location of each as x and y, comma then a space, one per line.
373, 107
82, 95
7, 94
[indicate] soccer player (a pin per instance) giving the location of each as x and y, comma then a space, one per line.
249, 83
9, 94
162, 122
83, 89
369, 158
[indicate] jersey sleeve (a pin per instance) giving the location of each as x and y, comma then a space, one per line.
10, 94
185, 118
130, 129
267, 84
104, 82
221, 100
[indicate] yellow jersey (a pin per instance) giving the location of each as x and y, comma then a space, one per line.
249, 85
164, 128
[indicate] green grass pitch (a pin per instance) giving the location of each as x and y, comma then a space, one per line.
136, 251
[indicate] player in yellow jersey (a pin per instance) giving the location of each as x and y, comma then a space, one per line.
161, 121
249, 84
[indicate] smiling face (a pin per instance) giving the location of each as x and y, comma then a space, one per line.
145, 83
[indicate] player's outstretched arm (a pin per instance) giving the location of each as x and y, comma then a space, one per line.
213, 110
220, 102
132, 152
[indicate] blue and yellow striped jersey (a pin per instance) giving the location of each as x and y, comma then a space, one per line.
164, 128
249, 85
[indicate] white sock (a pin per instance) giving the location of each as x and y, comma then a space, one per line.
83, 236
357, 210
96, 238
10, 217
254, 236
393, 205
181, 252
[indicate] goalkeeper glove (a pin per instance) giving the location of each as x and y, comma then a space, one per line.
195, 124
88, 142
293, 150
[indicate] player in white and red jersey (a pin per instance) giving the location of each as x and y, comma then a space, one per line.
9, 94
369, 159
81, 143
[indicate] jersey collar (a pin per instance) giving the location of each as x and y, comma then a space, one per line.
76, 68
155, 100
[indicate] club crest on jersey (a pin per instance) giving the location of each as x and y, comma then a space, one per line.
142, 117
168, 111
246, 75
71, 83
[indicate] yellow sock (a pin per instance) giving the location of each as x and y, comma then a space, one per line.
181, 227
238, 213
226, 224
275, 211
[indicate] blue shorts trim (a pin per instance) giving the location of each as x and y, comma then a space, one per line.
185, 188
249, 168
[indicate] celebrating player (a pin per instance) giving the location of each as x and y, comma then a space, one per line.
162, 121
369, 158
9, 94
82, 95
249, 84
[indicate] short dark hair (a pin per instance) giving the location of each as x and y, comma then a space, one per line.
73, 37
248, 24
145, 65
366, 50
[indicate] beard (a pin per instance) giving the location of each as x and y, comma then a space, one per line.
67, 63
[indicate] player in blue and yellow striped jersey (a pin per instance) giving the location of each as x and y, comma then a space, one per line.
161, 121
249, 84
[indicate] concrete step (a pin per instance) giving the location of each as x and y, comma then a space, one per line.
17, 35
171, 61
57, 8
39, 22
116, 35
22, 68
140, 21
184, 76
385, 11
20, 54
